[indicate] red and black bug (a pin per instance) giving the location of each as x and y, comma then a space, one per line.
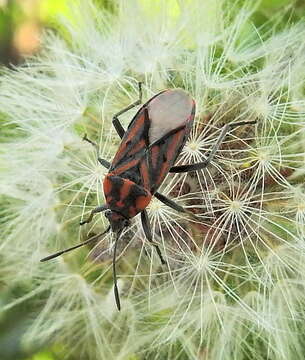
148, 151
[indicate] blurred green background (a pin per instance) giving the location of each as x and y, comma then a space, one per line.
22, 23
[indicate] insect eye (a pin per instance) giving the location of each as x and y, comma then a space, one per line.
107, 213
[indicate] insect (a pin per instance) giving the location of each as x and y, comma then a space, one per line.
148, 151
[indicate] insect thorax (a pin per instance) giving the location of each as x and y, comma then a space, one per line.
124, 196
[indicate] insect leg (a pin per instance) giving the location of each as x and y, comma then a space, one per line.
93, 212
147, 232
103, 162
172, 204
205, 163
116, 122
115, 283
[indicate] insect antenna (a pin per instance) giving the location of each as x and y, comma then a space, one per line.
94, 238
116, 291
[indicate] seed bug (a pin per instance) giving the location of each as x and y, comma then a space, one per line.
148, 151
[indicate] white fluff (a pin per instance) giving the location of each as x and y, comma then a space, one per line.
168, 111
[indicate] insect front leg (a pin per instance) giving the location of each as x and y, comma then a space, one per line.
201, 165
93, 212
103, 162
147, 232
116, 122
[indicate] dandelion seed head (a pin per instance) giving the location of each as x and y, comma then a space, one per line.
236, 206
201, 263
263, 157
156, 207
192, 148
298, 197
261, 107
98, 172
301, 207
234, 274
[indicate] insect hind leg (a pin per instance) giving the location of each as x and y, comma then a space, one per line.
103, 162
116, 122
201, 165
147, 232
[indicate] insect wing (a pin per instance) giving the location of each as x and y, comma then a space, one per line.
171, 116
134, 142
132, 145
154, 138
